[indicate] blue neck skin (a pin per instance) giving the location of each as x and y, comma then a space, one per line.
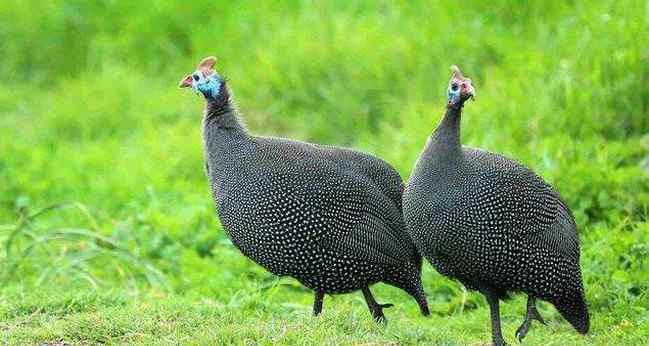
210, 86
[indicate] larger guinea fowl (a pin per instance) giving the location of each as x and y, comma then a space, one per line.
493, 224
329, 217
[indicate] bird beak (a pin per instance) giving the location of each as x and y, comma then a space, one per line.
186, 82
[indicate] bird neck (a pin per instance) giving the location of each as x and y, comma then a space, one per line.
444, 143
224, 134
221, 112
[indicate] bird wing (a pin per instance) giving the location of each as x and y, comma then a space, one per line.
337, 207
379, 236
381, 173
540, 216
561, 234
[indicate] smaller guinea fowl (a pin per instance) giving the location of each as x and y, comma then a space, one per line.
328, 217
493, 224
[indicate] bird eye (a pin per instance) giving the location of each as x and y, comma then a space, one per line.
454, 86
196, 77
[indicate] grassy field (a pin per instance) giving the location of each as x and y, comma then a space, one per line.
107, 230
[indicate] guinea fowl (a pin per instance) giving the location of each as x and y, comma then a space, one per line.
329, 217
493, 224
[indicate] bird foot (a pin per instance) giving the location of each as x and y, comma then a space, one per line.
521, 332
532, 314
377, 312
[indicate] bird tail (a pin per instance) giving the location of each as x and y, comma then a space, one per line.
417, 290
420, 296
408, 278
575, 310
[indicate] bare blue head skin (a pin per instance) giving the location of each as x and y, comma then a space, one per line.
209, 86
204, 80
459, 89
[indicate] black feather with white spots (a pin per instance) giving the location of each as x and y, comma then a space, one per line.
329, 217
492, 223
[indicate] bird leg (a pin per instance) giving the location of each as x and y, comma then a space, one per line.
317, 303
375, 308
532, 314
494, 307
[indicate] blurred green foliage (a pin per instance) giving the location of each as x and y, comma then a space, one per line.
90, 117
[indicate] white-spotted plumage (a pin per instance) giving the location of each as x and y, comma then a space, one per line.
493, 224
329, 217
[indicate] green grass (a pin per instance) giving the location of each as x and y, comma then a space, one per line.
92, 124
115, 318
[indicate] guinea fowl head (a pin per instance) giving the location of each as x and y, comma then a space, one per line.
459, 88
204, 80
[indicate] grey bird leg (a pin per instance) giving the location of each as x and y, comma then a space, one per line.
317, 303
375, 308
494, 306
532, 314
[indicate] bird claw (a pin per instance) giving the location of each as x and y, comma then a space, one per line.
519, 336
532, 314
521, 332
378, 312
